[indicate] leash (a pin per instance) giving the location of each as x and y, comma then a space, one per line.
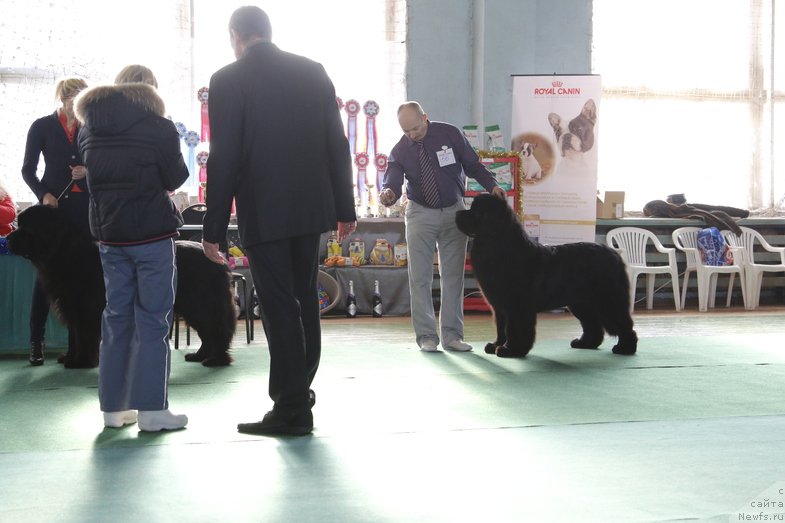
65, 190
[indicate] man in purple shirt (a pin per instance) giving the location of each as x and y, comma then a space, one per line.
435, 159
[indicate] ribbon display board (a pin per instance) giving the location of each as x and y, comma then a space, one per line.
555, 121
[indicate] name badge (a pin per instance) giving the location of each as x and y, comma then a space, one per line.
445, 156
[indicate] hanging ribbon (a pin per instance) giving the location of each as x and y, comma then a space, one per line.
352, 108
371, 109
191, 140
203, 95
201, 160
380, 161
361, 160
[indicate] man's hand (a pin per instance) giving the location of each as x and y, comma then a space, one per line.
345, 229
498, 191
212, 253
387, 197
49, 199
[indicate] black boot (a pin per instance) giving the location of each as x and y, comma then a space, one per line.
37, 353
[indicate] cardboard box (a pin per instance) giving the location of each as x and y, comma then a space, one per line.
612, 206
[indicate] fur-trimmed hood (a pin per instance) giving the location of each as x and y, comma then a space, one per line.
112, 109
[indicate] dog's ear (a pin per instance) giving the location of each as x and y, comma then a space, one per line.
555, 121
589, 111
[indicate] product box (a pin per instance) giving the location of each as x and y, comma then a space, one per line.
612, 206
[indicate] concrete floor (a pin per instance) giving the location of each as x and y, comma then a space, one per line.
692, 428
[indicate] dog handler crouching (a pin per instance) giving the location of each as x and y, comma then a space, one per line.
132, 153
435, 159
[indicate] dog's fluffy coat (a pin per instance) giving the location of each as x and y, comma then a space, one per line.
519, 278
69, 267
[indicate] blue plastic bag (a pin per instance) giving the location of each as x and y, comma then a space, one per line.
713, 247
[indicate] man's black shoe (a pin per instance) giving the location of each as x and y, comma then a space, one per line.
37, 353
280, 424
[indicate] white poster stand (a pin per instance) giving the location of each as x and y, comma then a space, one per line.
555, 127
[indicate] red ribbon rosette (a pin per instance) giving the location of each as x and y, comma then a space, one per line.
352, 108
362, 161
380, 161
203, 95
339, 101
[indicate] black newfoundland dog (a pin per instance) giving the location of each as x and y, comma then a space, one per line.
69, 267
520, 278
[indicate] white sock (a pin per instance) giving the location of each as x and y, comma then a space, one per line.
155, 420
119, 418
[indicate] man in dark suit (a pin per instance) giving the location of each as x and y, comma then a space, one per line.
278, 148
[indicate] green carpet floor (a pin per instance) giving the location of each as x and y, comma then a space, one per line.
690, 428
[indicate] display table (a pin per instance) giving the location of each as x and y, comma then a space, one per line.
393, 286
17, 276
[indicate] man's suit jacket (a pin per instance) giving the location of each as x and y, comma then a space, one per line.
277, 145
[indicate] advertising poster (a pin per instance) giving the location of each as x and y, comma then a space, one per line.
555, 122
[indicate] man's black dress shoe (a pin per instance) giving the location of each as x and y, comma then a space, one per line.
280, 424
36, 353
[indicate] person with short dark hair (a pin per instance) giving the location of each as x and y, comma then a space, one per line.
278, 148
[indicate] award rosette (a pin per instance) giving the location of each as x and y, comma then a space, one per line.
201, 159
192, 140
203, 96
339, 101
380, 161
371, 109
352, 108
362, 161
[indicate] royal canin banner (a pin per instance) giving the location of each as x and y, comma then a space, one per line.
555, 123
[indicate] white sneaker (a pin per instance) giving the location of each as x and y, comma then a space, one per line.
429, 346
457, 346
155, 420
119, 418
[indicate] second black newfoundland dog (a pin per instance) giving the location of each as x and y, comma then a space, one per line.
519, 278
69, 267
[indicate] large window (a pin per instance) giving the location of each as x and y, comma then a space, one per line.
692, 102
359, 42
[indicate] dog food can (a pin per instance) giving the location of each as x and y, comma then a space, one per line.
401, 255
357, 247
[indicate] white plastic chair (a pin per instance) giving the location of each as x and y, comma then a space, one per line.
753, 271
686, 239
631, 242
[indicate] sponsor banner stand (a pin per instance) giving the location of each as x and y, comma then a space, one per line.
555, 123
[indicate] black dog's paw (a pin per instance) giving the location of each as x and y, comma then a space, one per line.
625, 351
506, 352
490, 348
79, 363
195, 356
580, 343
221, 360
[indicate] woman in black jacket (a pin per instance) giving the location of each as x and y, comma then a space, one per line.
133, 157
62, 185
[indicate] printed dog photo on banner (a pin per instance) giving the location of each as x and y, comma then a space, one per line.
555, 124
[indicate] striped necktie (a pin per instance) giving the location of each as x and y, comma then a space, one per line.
430, 190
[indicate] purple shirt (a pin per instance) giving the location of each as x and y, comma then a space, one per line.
451, 179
